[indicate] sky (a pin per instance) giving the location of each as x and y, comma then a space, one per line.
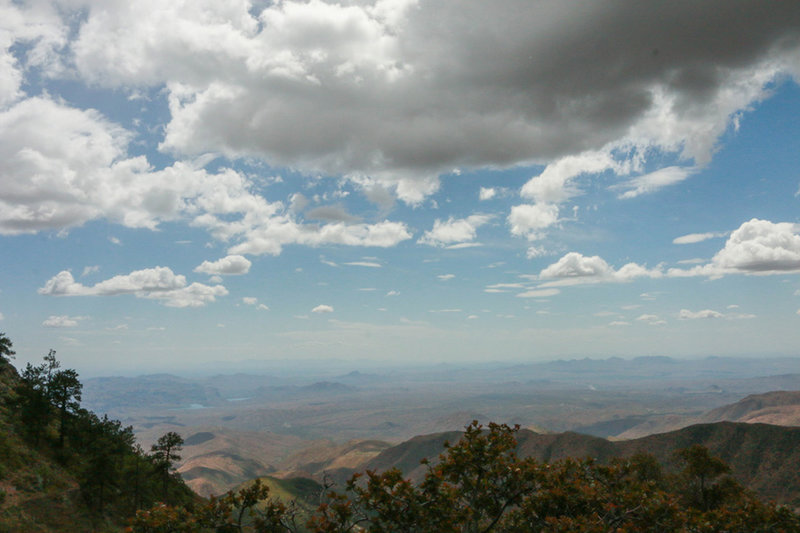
204, 182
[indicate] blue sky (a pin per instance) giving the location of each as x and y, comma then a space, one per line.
397, 181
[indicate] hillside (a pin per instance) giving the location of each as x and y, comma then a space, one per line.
31, 482
65, 469
780, 408
764, 458
215, 460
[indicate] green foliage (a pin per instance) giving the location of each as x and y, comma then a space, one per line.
48, 443
480, 485
165, 455
249, 509
6, 352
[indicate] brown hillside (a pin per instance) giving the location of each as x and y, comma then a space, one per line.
779, 407
765, 458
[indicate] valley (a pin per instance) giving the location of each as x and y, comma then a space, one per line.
240, 426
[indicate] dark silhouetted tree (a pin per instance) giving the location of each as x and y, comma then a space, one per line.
65, 393
6, 352
165, 455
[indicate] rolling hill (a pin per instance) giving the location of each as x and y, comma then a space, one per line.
765, 458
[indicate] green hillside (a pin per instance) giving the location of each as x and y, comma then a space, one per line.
64, 468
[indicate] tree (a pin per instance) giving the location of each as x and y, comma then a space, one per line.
480, 485
705, 488
165, 455
33, 401
64, 390
6, 353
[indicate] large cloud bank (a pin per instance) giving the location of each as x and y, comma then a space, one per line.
389, 94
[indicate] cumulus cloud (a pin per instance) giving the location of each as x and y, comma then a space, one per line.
158, 283
454, 231
62, 321
80, 172
575, 269
529, 219
756, 247
686, 314
250, 300
446, 277
322, 308
374, 91
230, 265
487, 193
270, 238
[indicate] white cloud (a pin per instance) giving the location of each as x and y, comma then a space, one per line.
370, 264
553, 185
446, 277
686, 314
249, 300
262, 307
393, 293
279, 231
756, 247
454, 230
284, 80
538, 293
655, 180
693, 238
535, 251
619, 323
575, 269
82, 173
322, 308
487, 193
651, 320
62, 321
90, 270
503, 287
529, 219
158, 283
230, 265
761, 246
